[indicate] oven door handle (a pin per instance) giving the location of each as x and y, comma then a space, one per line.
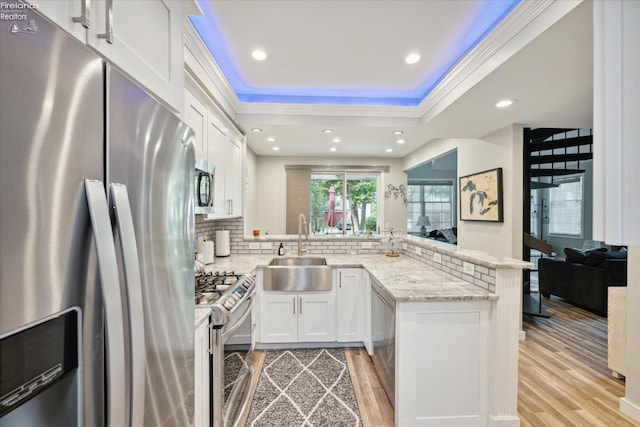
243, 404
227, 332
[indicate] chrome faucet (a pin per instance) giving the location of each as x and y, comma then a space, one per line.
302, 222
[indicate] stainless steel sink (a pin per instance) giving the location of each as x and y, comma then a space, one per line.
297, 274
298, 261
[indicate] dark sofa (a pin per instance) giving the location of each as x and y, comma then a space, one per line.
583, 279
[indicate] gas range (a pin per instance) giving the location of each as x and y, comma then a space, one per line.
224, 292
211, 286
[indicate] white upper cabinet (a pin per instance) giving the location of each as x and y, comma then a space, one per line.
233, 183
68, 15
221, 144
142, 37
225, 153
195, 116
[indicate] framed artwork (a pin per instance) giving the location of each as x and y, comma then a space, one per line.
481, 196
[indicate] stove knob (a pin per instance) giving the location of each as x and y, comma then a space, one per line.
228, 304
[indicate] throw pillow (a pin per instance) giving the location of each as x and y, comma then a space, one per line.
595, 258
574, 255
616, 255
448, 234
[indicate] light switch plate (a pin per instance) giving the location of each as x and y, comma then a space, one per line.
468, 268
437, 257
254, 245
265, 245
367, 245
418, 251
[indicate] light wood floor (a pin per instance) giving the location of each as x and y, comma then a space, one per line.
563, 375
374, 406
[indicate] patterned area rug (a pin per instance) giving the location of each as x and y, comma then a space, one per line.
304, 387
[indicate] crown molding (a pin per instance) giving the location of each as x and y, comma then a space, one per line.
527, 21
201, 66
524, 23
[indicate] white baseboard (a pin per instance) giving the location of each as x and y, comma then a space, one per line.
286, 346
503, 421
629, 408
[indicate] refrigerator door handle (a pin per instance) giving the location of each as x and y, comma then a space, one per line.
110, 290
131, 269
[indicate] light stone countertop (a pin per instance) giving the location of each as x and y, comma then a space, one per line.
405, 279
471, 255
312, 237
474, 256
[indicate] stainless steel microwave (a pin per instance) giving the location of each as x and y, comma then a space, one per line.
204, 187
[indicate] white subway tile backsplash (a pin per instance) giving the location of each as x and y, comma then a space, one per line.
451, 264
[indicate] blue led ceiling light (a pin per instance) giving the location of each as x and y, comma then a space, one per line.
488, 16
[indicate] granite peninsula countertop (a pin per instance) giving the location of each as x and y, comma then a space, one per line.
405, 279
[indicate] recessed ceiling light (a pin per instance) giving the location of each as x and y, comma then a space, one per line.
276, 148
259, 55
400, 141
332, 149
412, 58
505, 103
271, 139
337, 140
327, 130
256, 130
388, 150
398, 132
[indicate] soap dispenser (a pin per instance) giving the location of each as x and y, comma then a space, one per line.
281, 249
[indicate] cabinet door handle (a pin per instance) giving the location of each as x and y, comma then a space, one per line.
340, 279
108, 34
85, 14
300, 305
294, 305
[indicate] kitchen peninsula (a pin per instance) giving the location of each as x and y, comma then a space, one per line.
456, 329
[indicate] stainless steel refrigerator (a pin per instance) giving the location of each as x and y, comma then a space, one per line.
96, 241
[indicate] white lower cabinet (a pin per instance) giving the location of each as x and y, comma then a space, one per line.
287, 317
366, 329
350, 301
442, 363
201, 415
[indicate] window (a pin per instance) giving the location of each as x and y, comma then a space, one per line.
334, 211
566, 207
433, 199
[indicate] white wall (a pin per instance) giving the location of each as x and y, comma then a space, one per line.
616, 108
269, 212
502, 148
